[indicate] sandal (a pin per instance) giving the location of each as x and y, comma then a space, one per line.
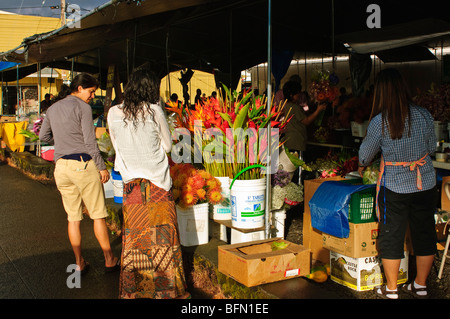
85, 268
383, 293
114, 268
414, 291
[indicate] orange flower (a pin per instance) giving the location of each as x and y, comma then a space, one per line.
320, 96
204, 174
176, 193
212, 183
215, 196
201, 194
196, 181
188, 199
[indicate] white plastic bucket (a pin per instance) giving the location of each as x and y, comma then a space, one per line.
222, 211
117, 186
278, 222
218, 231
439, 130
241, 237
248, 203
108, 187
193, 225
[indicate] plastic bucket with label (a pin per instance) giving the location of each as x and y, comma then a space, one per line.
117, 186
248, 202
222, 211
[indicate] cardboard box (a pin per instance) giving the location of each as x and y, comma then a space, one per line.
361, 241
254, 263
362, 273
312, 238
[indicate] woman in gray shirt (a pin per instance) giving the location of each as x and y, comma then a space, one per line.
80, 169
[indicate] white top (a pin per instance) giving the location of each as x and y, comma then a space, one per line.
141, 151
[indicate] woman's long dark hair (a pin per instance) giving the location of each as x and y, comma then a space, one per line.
141, 90
84, 80
391, 99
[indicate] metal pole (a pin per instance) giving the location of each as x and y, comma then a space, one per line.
269, 107
38, 143
18, 92
332, 34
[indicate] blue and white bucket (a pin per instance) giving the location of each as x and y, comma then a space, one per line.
248, 201
117, 186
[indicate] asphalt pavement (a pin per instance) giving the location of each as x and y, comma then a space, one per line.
35, 251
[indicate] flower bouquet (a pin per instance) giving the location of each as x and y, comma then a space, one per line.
436, 101
285, 193
231, 133
192, 186
324, 89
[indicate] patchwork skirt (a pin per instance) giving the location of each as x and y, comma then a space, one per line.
151, 261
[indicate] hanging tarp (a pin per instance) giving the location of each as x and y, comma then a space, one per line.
329, 207
281, 60
6, 65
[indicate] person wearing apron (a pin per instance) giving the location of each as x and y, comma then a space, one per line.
406, 188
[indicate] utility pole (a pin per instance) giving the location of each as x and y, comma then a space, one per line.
63, 12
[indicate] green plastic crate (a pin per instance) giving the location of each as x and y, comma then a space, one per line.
361, 208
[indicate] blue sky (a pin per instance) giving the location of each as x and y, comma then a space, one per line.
42, 7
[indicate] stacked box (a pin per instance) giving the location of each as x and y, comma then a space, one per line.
361, 241
364, 273
254, 263
312, 238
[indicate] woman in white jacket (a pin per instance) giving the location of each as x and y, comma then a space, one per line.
151, 253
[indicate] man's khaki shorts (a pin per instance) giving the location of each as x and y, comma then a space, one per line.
78, 182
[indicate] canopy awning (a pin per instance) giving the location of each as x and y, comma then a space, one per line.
400, 43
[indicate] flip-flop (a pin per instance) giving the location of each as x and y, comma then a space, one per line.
414, 291
114, 268
85, 269
383, 293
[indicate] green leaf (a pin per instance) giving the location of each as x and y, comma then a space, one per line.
241, 116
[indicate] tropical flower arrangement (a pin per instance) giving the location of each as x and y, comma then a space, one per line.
436, 101
324, 88
284, 192
192, 186
335, 165
232, 134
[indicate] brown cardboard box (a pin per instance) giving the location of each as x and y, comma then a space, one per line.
254, 263
361, 241
312, 238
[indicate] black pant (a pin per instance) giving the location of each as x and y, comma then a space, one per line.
417, 210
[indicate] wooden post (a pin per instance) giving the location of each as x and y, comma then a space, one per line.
112, 82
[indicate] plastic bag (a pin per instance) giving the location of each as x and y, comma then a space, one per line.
329, 207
